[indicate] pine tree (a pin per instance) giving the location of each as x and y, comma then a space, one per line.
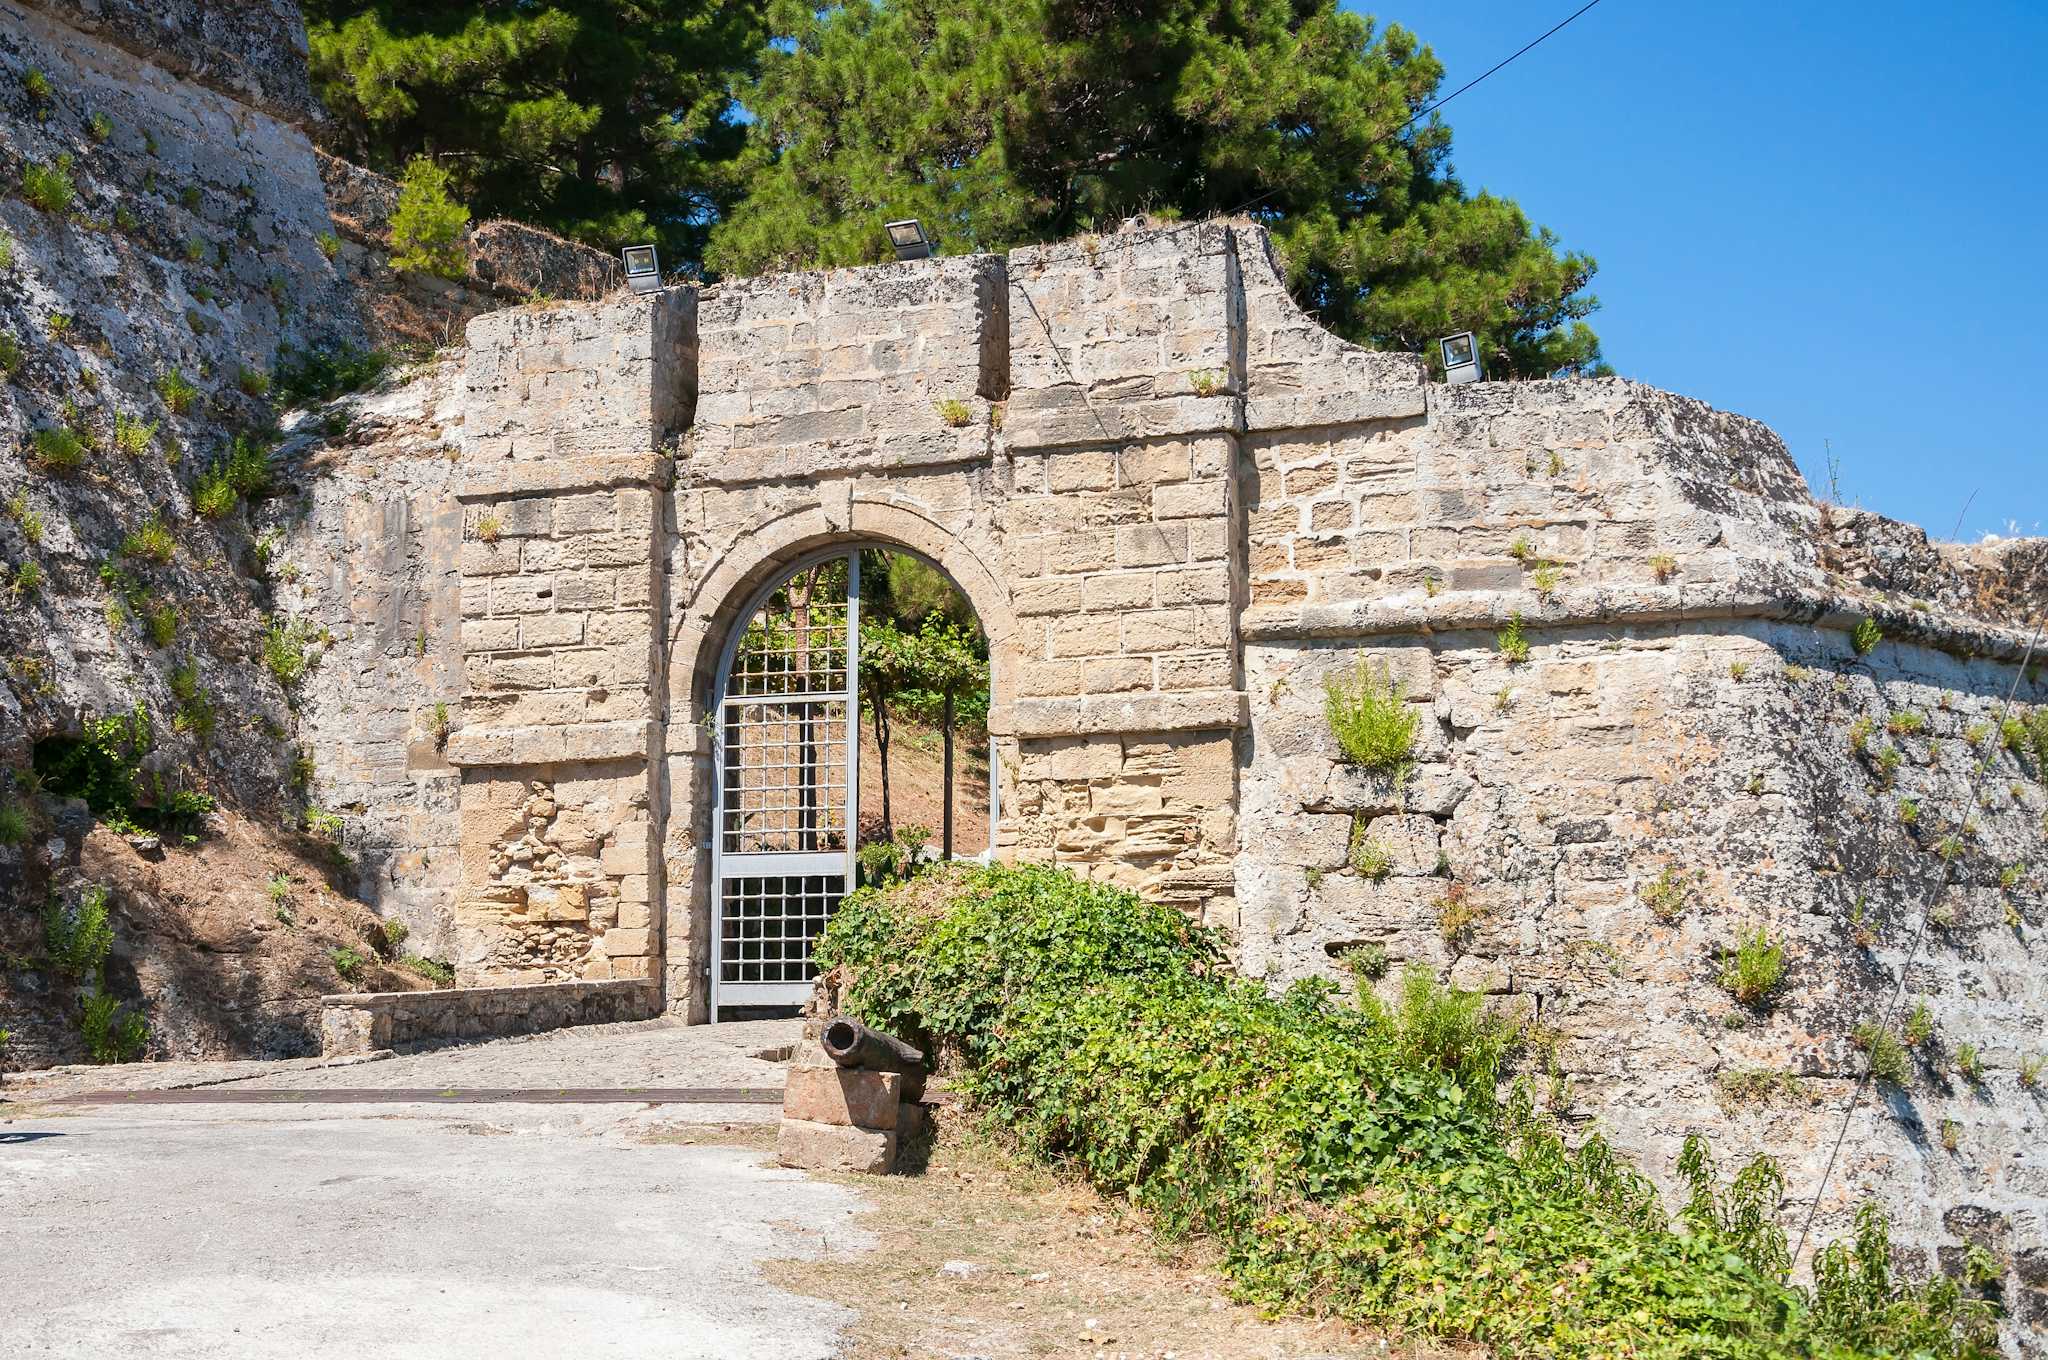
610, 121
1004, 122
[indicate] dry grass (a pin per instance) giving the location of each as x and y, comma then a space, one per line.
1053, 1269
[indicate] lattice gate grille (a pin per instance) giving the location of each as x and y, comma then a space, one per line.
788, 714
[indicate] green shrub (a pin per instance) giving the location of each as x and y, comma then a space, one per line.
49, 187
1368, 963
428, 225
1919, 1024
286, 646
30, 523
1905, 722
10, 355
1513, 647
1753, 969
248, 465
153, 542
1667, 895
177, 391
954, 412
389, 938
99, 127
1968, 1063
195, 701
111, 1035
213, 495
36, 85
1349, 1161
57, 449
28, 579
14, 826
76, 938
1888, 1061
1866, 637
1371, 719
329, 243
132, 435
304, 376
6, 252
254, 382
160, 623
440, 974
348, 964
103, 766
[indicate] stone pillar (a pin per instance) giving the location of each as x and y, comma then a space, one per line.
1125, 556
570, 413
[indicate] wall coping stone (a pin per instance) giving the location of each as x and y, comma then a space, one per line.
363, 1022
1609, 606
1176, 711
484, 747
550, 476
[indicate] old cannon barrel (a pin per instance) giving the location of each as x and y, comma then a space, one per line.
851, 1044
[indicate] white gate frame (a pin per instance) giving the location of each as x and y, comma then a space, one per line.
774, 864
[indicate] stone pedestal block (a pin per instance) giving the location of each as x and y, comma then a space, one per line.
834, 1095
811, 1146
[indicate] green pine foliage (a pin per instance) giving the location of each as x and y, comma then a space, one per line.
428, 226
1001, 123
1349, 1160
609, 121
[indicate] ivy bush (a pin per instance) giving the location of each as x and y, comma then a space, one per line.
1356, 1161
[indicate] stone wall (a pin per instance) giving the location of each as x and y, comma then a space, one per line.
364, 1022
1179, 507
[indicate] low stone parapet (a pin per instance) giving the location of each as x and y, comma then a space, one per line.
367, 1021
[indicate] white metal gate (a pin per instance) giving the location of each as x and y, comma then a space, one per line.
787, 744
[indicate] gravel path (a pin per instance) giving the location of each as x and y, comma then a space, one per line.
346, 1232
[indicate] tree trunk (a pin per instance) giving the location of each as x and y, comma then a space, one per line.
946, 837
881, 703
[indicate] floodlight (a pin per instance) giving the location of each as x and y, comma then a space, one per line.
1461, 358
909, 239
643, 268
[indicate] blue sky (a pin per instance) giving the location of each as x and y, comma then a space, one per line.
1830, 216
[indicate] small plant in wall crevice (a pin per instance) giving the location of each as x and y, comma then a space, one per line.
1369, 715
1752, 970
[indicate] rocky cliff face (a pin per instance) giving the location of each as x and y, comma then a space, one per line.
172, 249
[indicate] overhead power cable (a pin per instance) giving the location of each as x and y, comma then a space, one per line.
1378, 138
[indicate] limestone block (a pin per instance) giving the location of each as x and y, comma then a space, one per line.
836, 1095
809, 1146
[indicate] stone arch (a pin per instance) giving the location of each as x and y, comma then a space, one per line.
704, 619
704, 622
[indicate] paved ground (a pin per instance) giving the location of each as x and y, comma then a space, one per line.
408, 1230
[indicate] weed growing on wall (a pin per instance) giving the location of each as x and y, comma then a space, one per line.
1348, 1160
304, 376
1369, 715
1866, 636
348, 964
1753, 969
1887, 1056
112, 1035
49, 187
1513, 647
77, 937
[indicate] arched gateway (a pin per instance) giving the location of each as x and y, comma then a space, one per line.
801, 784
1181, 510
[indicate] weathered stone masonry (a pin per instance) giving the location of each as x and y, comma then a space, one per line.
1178, 506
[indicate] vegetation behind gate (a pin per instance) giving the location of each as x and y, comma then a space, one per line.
1355, 1161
